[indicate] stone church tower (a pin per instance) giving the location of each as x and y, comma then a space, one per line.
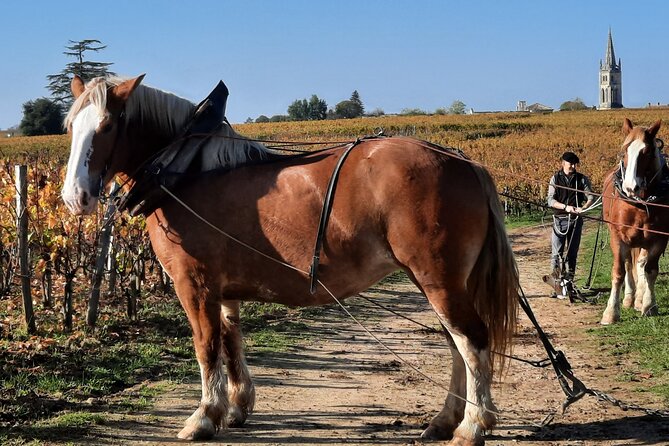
610, 80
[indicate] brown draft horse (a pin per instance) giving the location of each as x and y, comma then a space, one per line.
400, 203
629, 208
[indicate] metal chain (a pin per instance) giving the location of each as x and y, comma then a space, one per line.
627, 406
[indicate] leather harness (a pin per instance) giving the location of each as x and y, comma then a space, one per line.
170, 166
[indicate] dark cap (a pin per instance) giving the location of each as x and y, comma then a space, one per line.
570, 157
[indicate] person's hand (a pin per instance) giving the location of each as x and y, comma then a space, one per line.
570, 209
578, 210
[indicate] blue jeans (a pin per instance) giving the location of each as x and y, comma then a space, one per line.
566, 231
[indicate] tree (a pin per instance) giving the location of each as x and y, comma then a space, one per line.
355, 98
42, 117
312, 110
262, 118
351, 108
576, 104
59, 84
457, 108
412, 112
298, 110
318, 108
376, 112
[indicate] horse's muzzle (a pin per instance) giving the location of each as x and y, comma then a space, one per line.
80, 202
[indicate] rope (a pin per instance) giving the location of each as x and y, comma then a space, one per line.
541, 205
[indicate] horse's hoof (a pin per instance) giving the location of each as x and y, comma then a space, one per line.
236, 417
205, 431
609, 318
652, 311
461, 441
437, 433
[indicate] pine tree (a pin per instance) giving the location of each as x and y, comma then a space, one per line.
59, 84
355, 99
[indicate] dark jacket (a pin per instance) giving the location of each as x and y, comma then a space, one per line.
557, 190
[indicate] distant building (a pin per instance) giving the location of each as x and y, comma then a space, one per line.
610, 79
521, 106
538, 108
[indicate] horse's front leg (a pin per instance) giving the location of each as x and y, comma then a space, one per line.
204, 315
241, 392
621, 253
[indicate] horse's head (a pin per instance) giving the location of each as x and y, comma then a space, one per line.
93, 122
641, 158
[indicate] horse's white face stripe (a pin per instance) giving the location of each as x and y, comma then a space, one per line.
77, 188
631, 181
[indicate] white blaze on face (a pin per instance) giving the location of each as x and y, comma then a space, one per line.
78, 188
631, 182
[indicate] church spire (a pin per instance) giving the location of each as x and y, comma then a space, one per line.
610, 54
610, 79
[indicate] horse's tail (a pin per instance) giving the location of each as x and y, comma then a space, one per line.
494, 279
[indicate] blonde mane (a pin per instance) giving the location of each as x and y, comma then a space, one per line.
168, 114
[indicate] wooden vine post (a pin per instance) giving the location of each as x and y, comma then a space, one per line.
21, 173
102, 254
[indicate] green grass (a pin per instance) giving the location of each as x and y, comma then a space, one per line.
45, 380
644, 340
74, 419
525, 219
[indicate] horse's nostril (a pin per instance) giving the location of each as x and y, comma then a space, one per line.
84, 198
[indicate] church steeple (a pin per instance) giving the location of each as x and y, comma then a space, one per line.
610, 53
610, 79
610, 60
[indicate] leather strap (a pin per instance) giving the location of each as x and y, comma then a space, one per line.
325, 215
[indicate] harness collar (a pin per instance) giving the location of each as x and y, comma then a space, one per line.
658, 194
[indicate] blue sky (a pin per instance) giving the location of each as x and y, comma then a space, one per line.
396, 54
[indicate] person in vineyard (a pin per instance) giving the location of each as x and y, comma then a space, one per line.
569, 194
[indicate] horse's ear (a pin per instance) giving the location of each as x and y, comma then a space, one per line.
123, 90
77, 86
627, 126
652, 131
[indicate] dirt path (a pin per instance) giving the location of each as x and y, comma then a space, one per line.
340, 387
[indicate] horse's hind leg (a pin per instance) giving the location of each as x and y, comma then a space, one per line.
470, 336
241, 392
621, 253
648, 305
443, 425
642, 288
631, 279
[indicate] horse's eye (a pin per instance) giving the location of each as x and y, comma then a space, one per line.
106, 128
